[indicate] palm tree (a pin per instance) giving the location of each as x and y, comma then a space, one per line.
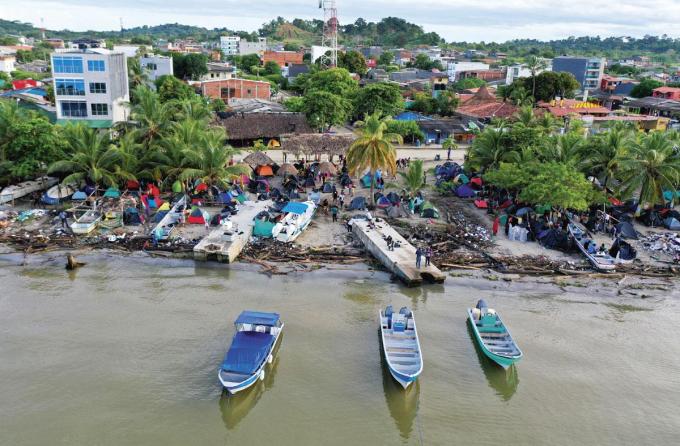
449, 144
607, 152
548, 123
91, 157
488, 150
414, 177
526, 116
535, 64
153, 117
566, 149
137, 76
521, 97
373, 149
651, 167
195, 109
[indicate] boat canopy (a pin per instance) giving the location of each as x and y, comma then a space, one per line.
295, 207
247, 351
258, 318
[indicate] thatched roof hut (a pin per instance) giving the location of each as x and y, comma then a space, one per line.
313, 144
245, 127
258, 159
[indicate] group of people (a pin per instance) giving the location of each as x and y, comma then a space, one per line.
403, 163
423, 252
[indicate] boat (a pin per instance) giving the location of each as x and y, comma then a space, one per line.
401, 347
19, 190
600, 261
58, 193
252, 348
168, 223
296, 219
86, 222
492, 335
112, 220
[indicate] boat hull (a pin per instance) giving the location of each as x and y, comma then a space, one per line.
404, 379
503, 361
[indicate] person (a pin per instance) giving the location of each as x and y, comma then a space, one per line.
448, 153
335, 195
602, 250
614, 231
496, 226
62, 217
349, 225
334, 213
390, 243
341, 200
428, 256
592, 247
419, 254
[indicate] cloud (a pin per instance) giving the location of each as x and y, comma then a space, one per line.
491, 20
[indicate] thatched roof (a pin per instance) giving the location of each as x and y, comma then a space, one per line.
327, 167
317, 144
258, 159
287, 169
248, 126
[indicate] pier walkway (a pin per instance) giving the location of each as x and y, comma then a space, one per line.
402, 260
224, 245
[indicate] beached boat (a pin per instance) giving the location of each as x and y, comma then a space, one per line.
296, 219
600, 261
492, 335
27, 187
163, 230
401, 347
252, 348
86, 222
58, 193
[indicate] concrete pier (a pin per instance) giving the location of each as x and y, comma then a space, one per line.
225, 245
402, 261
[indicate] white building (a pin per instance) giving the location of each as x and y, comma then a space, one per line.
453, 68
259, 47
517, 71
229, 45
219, 71
156, 66
128, 50
90, 85
7, 63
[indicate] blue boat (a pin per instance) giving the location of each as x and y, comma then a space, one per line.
492, 335
400, 345
252, 348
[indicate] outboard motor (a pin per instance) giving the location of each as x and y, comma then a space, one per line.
405, 311
388, 315
482, 306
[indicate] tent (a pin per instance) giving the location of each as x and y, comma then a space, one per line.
79, 195
481, 204
465, 191
366, 180
476, 181
553, 239
429, 211
292, 194
131, 217
377, 196
668, 195
345, 180
132, 185
622, 250
159, 216
672, 223
461, 178
394, 198
542, 209
112, 192
177, 187
164, 207
309, 182
328, 188
196, 217
223, 198
262, 228
264, 171
523, 211
626, 230
286, 169
358, 203
315, 197
396, 212
383, 202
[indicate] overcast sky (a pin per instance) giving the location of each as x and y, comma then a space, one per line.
488, 20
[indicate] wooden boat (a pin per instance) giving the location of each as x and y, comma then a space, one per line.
168, 223
58, 193
296, 219
492, 335
600, 261
87, 222
252, 348
27, 187
401, 347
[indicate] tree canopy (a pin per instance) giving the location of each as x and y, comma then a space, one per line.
383, 98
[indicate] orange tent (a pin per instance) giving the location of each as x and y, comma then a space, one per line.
264, 171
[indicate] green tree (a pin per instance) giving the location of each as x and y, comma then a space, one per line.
468, 83
535, 64
383, 98
334, 80
190, 66
487, 151
246, 62
550, 84
170, 88
353, 61
645, 88
414, 177
423, 103
33, 143
209, 160
386, 58
136, 74
218, 105
408, 130
423, 62
272, 67
373, 149
294, 104
445, 103
606, 153
324, 109
151, 116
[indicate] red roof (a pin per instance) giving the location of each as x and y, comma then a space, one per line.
667, 90
488, 110
21, 84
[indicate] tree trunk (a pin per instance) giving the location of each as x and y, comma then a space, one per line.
372, 186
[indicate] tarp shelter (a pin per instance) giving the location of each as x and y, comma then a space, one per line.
131, 217
224, 198
315, 197
672, 223
476, 181
177, 187
295, 207
465, 191
396, 212
623, 250
328, 188
241, 198
78, 196
553, 239
112, 192
357, 203
164, 207
345, 180
481, 204
383, 202
394, 198
626, 230
196, 217
264, 171
429, 211
263, 228
523, 211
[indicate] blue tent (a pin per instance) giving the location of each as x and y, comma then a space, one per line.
80, 195
295, 207
224, 198
357, 203
328, 188
383, 202
366, 180
672, 224
465, 191
394, 198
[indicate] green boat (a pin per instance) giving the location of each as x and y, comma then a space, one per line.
493, 336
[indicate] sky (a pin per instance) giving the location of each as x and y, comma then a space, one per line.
455, 20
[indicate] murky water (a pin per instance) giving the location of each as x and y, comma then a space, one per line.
126, 350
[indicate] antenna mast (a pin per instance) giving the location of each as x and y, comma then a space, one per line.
329, 38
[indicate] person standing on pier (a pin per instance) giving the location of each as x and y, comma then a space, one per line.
62, 217
428, 256
334, 213
419, 255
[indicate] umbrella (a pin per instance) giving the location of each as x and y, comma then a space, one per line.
327, 167
523, 211
258, 159
286, 169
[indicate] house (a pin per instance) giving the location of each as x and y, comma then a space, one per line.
409, 75
436, 130
486, 75
439, 83
219, 71
516, 71
255, 106
229, 45
257, 47
244, 128
156, 66
12, 49
652, 106
296, 69
283, 58
588, 71
7, 63
23, 84
55, 43
371, 52
671, 93
377, 75
454, 68
484, 106
566, 107
91, 86
236, 88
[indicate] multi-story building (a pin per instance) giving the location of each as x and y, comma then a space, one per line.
156, 66
229, 45
588, 71
283, 58
236, 89
672, 93
258, 47
90, 85
454, 69
219, 71
517, 71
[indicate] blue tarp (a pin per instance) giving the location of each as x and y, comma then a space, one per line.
80, 195
295, 208
257, 318
248, 350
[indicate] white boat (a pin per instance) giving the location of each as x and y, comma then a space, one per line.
27, 187
296, 219
86, 222
164, 228
600, 261
58, 193
251, 349
401, 346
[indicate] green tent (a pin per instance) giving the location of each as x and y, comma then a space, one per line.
177, 187
429, 211
263, 228
542, 209
503, 220
461, 179
112, 192
241, 198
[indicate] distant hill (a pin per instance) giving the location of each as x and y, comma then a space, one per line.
288, 31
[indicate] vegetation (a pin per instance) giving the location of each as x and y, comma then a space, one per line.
383, 98
352, 61
414, 177
645, 88
189, 66
468, 83
408, 130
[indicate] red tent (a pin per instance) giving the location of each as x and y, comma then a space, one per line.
26, 83
132, 185
481, 204
153, 190
477, 181
202, 187
196, 217
615, 202
264, 171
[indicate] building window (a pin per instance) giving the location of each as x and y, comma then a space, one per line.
67, 64
99, 109
70, 87
152, 66
74, 109
249, 91
97, 87
95, 65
